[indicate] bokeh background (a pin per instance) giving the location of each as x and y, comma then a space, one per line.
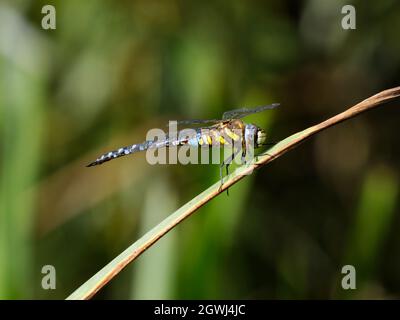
112, 70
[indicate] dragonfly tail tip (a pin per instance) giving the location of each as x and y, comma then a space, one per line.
91, 164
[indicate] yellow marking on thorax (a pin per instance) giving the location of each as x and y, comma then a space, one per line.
209, 140
201, 142
221, 140
231, 134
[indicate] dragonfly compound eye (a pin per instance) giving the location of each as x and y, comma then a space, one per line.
261, 137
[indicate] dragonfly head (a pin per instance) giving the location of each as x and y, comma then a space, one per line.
261, 137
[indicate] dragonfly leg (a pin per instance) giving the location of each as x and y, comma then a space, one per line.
226, 163
243, 156
229, 160
221, 178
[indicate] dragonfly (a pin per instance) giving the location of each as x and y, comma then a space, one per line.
229, 131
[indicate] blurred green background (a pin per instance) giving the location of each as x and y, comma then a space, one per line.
112, 70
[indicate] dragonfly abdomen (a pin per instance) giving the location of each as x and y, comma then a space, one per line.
203, 137
121, 152
216, 137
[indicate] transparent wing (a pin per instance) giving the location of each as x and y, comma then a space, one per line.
196, 122
232, 114
243, 112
